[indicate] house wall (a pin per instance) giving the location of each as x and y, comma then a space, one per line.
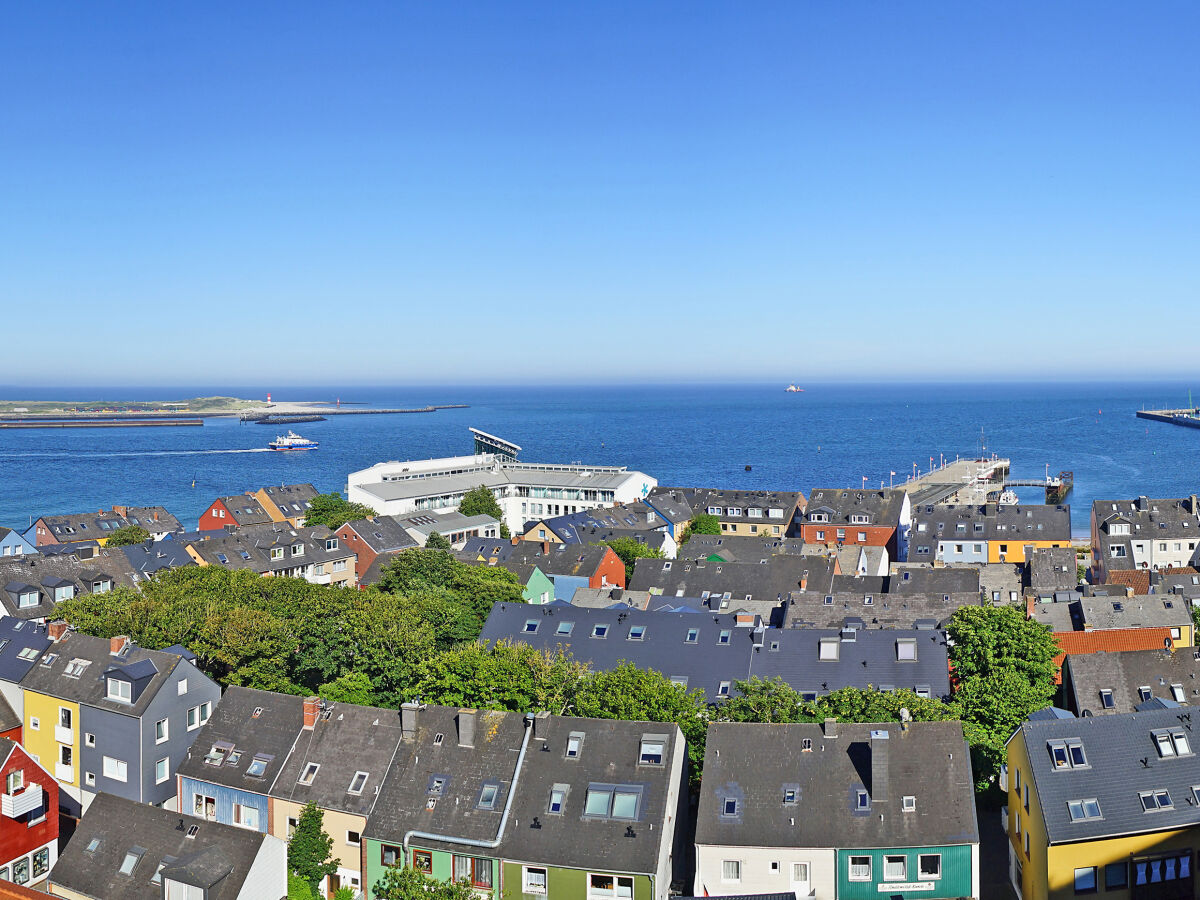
566, 585
958, 868
611, 571
1013, 551
875, 535
13, 544
21, 841
675, 808
215, 517
41, 743
539, 589
40, 535
765, 528
757, 876
962, 549
226, 797
118, 737
268, 873
169, 704
336, 824
364, 555
568, 883
1062, 860
1028, 870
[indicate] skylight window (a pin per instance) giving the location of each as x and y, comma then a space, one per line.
1155, 800
487, 797
258, 765
1106, 699
309, 773
558, 798
600, 631
637, 632
564, 628
129, 863
1083, 810
530, 627
357, 783
724, 636
574, 742
651, 752
1067, 754
693, 635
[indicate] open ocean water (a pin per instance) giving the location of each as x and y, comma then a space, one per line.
828, 436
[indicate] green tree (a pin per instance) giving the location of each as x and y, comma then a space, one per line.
513, 677
333, 511
630, 693
631, 550
435, 541
481, 501
769, 701
701, 523
408, 884
353, 687
127, 536
987, 640
310, 850
992, 707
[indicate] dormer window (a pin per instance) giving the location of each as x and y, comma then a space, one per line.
297, 549
819, 517
27, 599
331, 543
276, 553
120, 690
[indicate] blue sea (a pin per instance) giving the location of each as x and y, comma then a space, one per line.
832, 435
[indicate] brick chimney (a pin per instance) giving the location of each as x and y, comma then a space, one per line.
466, 728
541, 726
830, 728
118, 643
57, 630
312, 710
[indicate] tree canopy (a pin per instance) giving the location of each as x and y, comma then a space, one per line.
127, 536
406, 883
310, 849
480, 501
436, 541
333, 511
631, 550
701, 523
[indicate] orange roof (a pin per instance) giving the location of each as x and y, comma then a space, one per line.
1108, 640
1138, 579
10, 891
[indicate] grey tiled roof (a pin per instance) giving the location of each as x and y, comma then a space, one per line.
17, 635
739, 548
79, 526
1121, 761
772, 580
700, 500
346, 739
382, 533
755, 764
44, 571
217, 857
1075, 612
245, 510
272, 732
881, 506
1052, 569
1123, 672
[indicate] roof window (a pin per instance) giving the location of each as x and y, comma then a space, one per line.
1067, 754
258, 765
488, 795
1083, 810
574, 743
309, 773
132, 857
1155, 800
652, 750
357, 783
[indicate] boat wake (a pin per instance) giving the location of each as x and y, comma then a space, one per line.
118, 454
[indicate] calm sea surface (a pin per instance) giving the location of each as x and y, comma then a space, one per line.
829, 436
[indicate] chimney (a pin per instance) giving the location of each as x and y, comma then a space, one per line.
541, 726
312, 709
57, 630
879, 765
1193, 506
1142, 503
408, 720
117, 644
831, 728
466, 728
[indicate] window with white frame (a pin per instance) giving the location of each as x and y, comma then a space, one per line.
116, 769
610, 887
533, 880
859, 868
245, 815
895, 868
731, 870
120, 690
929, 866
162, 770
161, 731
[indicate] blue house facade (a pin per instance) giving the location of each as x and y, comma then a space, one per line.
14, 544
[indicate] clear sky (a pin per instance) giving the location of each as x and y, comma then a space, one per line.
437, 191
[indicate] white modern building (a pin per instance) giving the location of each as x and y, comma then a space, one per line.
524, 490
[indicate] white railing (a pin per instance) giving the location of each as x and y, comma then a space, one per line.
24, 801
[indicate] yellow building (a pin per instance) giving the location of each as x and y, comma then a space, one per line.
346, 830
286, 502
1103, 804
52, 737
1013, 551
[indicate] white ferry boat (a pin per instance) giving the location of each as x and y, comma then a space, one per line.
292, 441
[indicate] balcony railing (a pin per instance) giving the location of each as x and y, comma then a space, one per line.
21, 802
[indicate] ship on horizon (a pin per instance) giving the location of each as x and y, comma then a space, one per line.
292, 441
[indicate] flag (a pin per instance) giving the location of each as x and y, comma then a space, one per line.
893, 473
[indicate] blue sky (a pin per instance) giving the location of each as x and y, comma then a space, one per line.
441, 192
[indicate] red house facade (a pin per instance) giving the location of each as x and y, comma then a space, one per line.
28, 817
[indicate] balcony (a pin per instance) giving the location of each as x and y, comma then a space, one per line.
64, 735
23, 801
64, 772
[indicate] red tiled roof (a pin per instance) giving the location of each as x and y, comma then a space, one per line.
1138, 579
1107, 640
10, 891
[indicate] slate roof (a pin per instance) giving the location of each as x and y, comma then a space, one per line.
882, 507
874, 610
445, 523
217, 856
729, 501
245, 509
271, 733
988, 522
755, 764
148, 670
1101, 613
8, 718
607, 597
250, 547
346, 739
671, 504
19, 573
382, 533
1148, 519
1056, 569
739, 548
723, 648
772, 580
1122, 673
403, 802
292, 500
912, 580
580, 560
605, 523
17, 635
609, 754
1121, 761
79, 526
154, 556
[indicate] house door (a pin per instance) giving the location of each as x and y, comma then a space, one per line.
800, 879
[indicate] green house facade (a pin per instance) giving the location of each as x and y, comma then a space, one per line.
482, 869
539, 588
525, 881
911, 873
